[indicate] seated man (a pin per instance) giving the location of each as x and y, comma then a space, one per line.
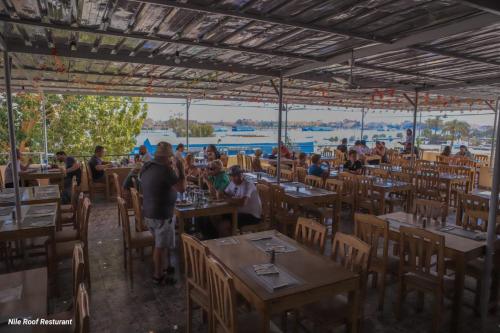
302, 162
353, 164
9, 175
343, 146
316, 169
144, 155
464, 152
216, 179
97, 165
244, 194
72, 169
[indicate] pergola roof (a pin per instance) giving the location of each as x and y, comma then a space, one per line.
236, 49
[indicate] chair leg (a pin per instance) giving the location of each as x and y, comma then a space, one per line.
477, 296
374, 279
189, 313
438, 309
381, 297
130, 268
420, 301
400, 298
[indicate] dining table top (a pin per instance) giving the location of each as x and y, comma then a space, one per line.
32, 216
23, 294
456, 238
301, 190
307, 269
30, 194
485, 194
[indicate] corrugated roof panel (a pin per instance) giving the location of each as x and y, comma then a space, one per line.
60, 11
149, 17
174, 22
122, 15
91, 12
26, 9
201, 25
254, 34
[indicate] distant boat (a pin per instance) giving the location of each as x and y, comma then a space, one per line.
243, 129
220, 129
317, 129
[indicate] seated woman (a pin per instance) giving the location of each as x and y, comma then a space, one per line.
380, 151
191, 171
353, 164
216, 179
256, 165
302, 161
316, 169
446, 151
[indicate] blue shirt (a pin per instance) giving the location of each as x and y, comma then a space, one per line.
315, 170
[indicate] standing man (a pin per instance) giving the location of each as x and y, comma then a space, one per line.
144, 154
72, 169
161, 179
97, 165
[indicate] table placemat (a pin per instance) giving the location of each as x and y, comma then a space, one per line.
5, 211
38, 221
226, 241
269, 243
470, 234
41, 210
273, 282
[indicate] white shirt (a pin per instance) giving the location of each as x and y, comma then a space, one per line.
247, 190
8, 172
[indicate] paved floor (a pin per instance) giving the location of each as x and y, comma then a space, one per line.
117, 306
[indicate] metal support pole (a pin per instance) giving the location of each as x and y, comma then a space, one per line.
12, 136
286, 123
414, 136
45, 140
280, 118
495, 130
188, 104
490, 243
362, 122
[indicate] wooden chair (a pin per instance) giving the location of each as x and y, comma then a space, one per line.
93, 187
353, 254
475, 212
340, 155
137, 205
423, 164
71, 207
72, 233
301, 174
285, 217
132, 240
287, 175
367, 198
314, 181
64, 250
375, 231
428, 185
240, 160
349, 190
224, 314
311, 234
197, 291
248, 163
336, 186
119, 193
380, 173
430, 212
271, 170
482, 159
422, 268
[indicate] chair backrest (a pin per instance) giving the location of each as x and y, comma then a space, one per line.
430, 211
78, 269
271, 170
423, 164
301, 174
349, 187
117, 185
84, 226
381, 173
352, 253
334, 185
266, 198
375, 232
136, 204
287, 175
222, 297
82, 311
428, 184
483, 159
386, 166
74, 195
420, 252
195, 254
88, 171
475, 212
313, 181
239, 160
311, 233
340, 155
443, 159
125, 219
248, 163
79, 210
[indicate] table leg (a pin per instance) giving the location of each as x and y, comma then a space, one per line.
459, 293
264, 320
52, 264
458, 220
234, 222
180, 224
382, 202
106, 178
354, 306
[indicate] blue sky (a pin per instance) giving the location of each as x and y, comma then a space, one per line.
202, 110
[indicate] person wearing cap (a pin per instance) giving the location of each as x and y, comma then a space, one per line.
244, 194
161, 179
9, 177
216, 179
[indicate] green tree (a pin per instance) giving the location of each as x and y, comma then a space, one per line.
456, 129
434, 124
77, 123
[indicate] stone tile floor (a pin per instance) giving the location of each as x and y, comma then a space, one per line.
117, 306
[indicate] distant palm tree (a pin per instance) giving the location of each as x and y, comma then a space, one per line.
434, 124
456, 129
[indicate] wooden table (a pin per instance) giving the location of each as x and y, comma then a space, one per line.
460, 249
387, 186
31, 195
53, 175
208, 209
122, 173
252, 177
28, 227
33, 298
318, 276
298, 194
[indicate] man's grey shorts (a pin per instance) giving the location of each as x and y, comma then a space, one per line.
163, 232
